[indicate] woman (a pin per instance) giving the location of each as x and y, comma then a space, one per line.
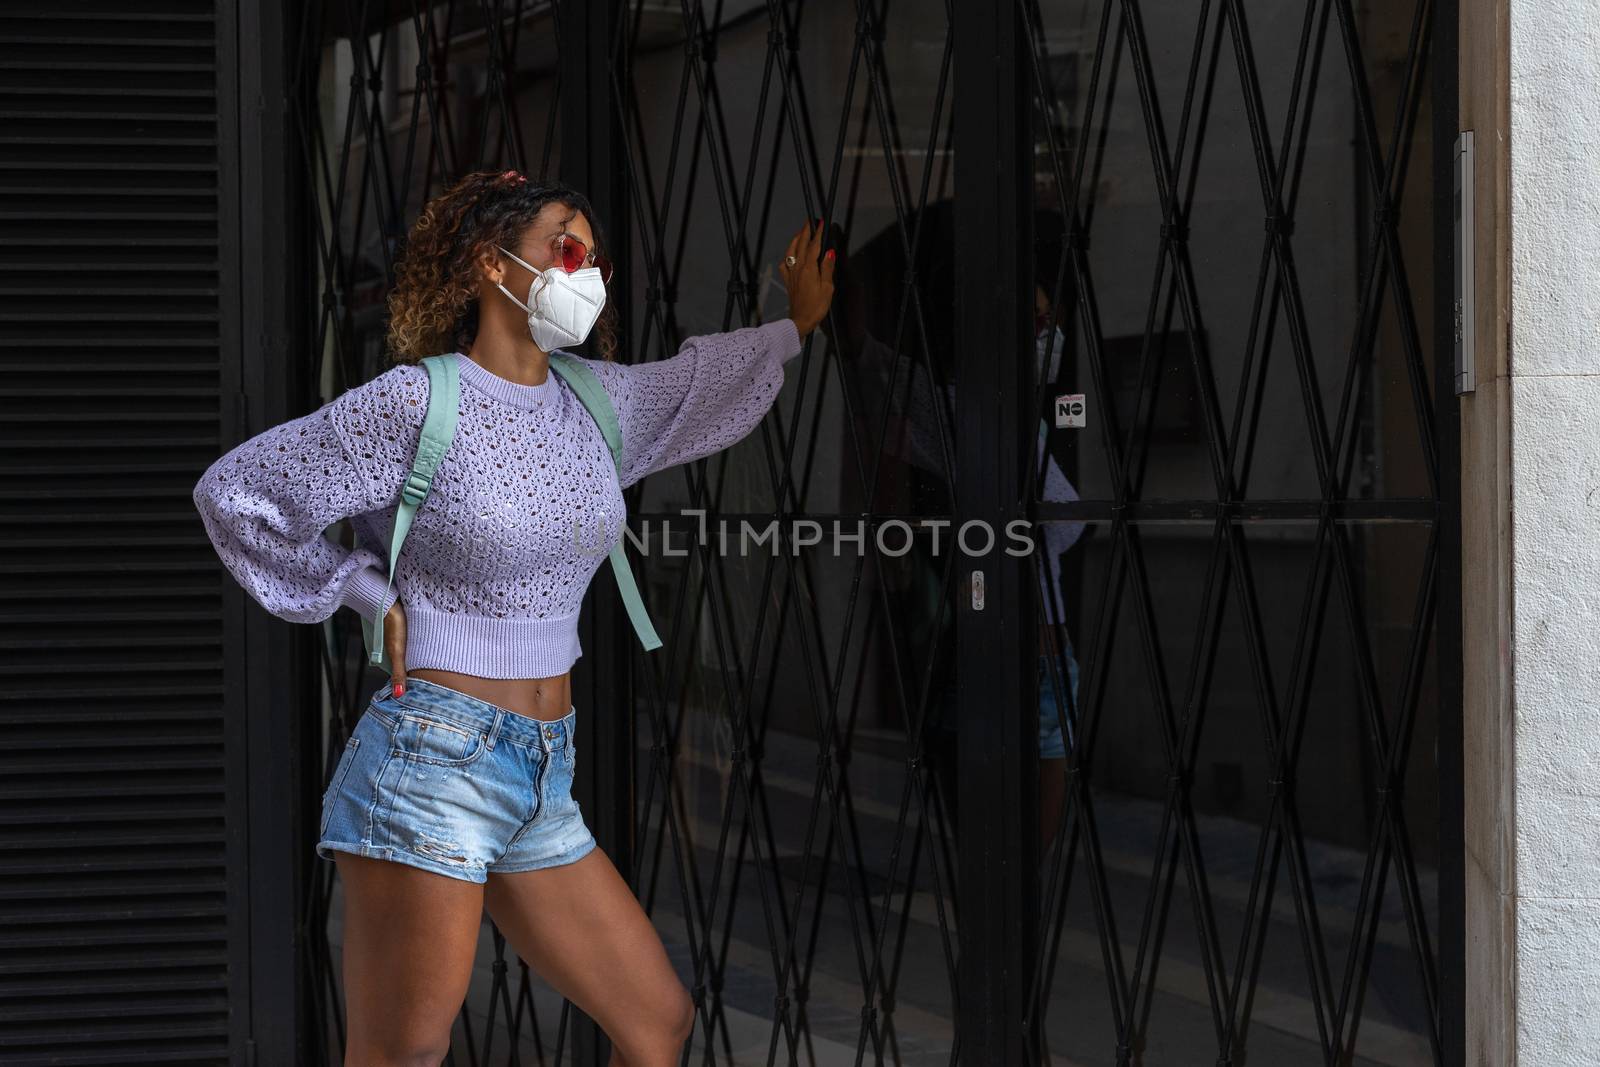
453, 793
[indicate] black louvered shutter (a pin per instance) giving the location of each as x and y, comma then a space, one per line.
131, 766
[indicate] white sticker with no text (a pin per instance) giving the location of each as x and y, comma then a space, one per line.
1071, 412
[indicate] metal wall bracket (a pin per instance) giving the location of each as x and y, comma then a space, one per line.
1465, 306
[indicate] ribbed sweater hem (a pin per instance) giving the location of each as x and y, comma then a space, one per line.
489, 647
365, 592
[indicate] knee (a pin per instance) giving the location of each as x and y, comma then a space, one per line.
425, 1054
675, 1019
658, 1036
684, 1018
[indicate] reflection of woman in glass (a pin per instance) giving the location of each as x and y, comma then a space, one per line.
453, 793
914, 385
1058, 665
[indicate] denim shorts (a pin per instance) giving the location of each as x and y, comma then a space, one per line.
1051, 743
444, 781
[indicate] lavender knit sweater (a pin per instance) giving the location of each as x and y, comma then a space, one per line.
493, 571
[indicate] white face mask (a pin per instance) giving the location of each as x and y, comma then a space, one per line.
562, 308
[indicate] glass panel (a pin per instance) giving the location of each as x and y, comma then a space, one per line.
795, 855
1239, 796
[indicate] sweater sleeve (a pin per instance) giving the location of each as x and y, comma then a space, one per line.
267, 503
706, 397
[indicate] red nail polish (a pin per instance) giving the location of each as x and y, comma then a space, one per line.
399, 689
830, 253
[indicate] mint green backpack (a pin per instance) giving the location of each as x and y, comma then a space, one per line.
439, 428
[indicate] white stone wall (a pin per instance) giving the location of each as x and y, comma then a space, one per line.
1554, 414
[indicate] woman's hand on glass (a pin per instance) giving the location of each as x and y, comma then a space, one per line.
394, 644
808, 275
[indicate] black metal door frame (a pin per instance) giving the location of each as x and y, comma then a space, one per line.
270, 669
998, 809
1450, 667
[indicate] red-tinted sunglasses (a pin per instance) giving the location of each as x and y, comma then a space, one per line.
572, 254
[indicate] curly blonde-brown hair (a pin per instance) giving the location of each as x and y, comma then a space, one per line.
433, 306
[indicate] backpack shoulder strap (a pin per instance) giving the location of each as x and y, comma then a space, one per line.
438, 430
593, 396
587, 388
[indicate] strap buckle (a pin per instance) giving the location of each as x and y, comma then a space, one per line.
416, 488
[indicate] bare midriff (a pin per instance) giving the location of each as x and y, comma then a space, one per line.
537, 698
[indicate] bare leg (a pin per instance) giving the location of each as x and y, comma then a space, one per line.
410, 937
582, 930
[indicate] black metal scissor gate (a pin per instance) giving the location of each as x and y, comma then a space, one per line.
1211, 227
